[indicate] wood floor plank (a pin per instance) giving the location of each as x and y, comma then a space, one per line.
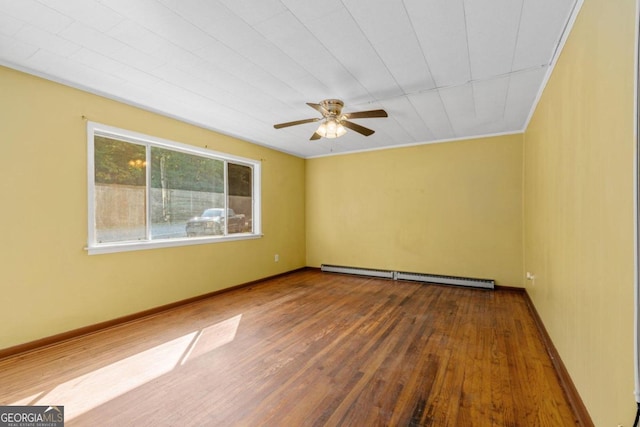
306, 349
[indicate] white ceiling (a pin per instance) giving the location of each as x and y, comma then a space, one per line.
442, 69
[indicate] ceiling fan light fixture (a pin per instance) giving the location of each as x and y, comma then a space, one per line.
331, 128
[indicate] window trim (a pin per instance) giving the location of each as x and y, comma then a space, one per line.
93, 247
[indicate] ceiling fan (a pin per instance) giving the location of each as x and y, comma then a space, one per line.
334, 121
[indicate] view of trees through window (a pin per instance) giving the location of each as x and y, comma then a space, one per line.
148, 192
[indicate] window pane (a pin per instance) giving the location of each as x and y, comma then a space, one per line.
120, 190
240, 198
183, 188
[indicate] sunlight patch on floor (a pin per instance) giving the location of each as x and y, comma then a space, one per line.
88, 391
212, 337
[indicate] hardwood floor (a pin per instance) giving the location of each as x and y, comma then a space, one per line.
306, 349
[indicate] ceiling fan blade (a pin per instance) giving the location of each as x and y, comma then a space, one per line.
318, 107
297, 122
315, 136
366, 114
360, 129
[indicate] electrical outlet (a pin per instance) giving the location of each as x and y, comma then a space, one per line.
531, 276
276, 258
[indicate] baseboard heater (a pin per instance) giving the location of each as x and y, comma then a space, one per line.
358, 271
414, 277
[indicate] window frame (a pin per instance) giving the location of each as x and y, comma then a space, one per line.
94, 247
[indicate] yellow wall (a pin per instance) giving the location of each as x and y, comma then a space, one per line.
579, 150
48, 283
452, 209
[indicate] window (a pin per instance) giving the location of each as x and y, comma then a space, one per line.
145, 192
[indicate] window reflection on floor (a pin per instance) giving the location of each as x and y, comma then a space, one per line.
88, 391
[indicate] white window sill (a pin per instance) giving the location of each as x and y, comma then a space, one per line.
108, 248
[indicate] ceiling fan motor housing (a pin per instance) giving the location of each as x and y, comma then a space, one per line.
333, 107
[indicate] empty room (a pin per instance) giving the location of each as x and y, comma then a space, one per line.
287, 213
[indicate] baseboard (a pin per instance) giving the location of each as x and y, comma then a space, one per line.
509, 288
573, 397
91, 329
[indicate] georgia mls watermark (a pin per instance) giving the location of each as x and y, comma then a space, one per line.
31, 416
